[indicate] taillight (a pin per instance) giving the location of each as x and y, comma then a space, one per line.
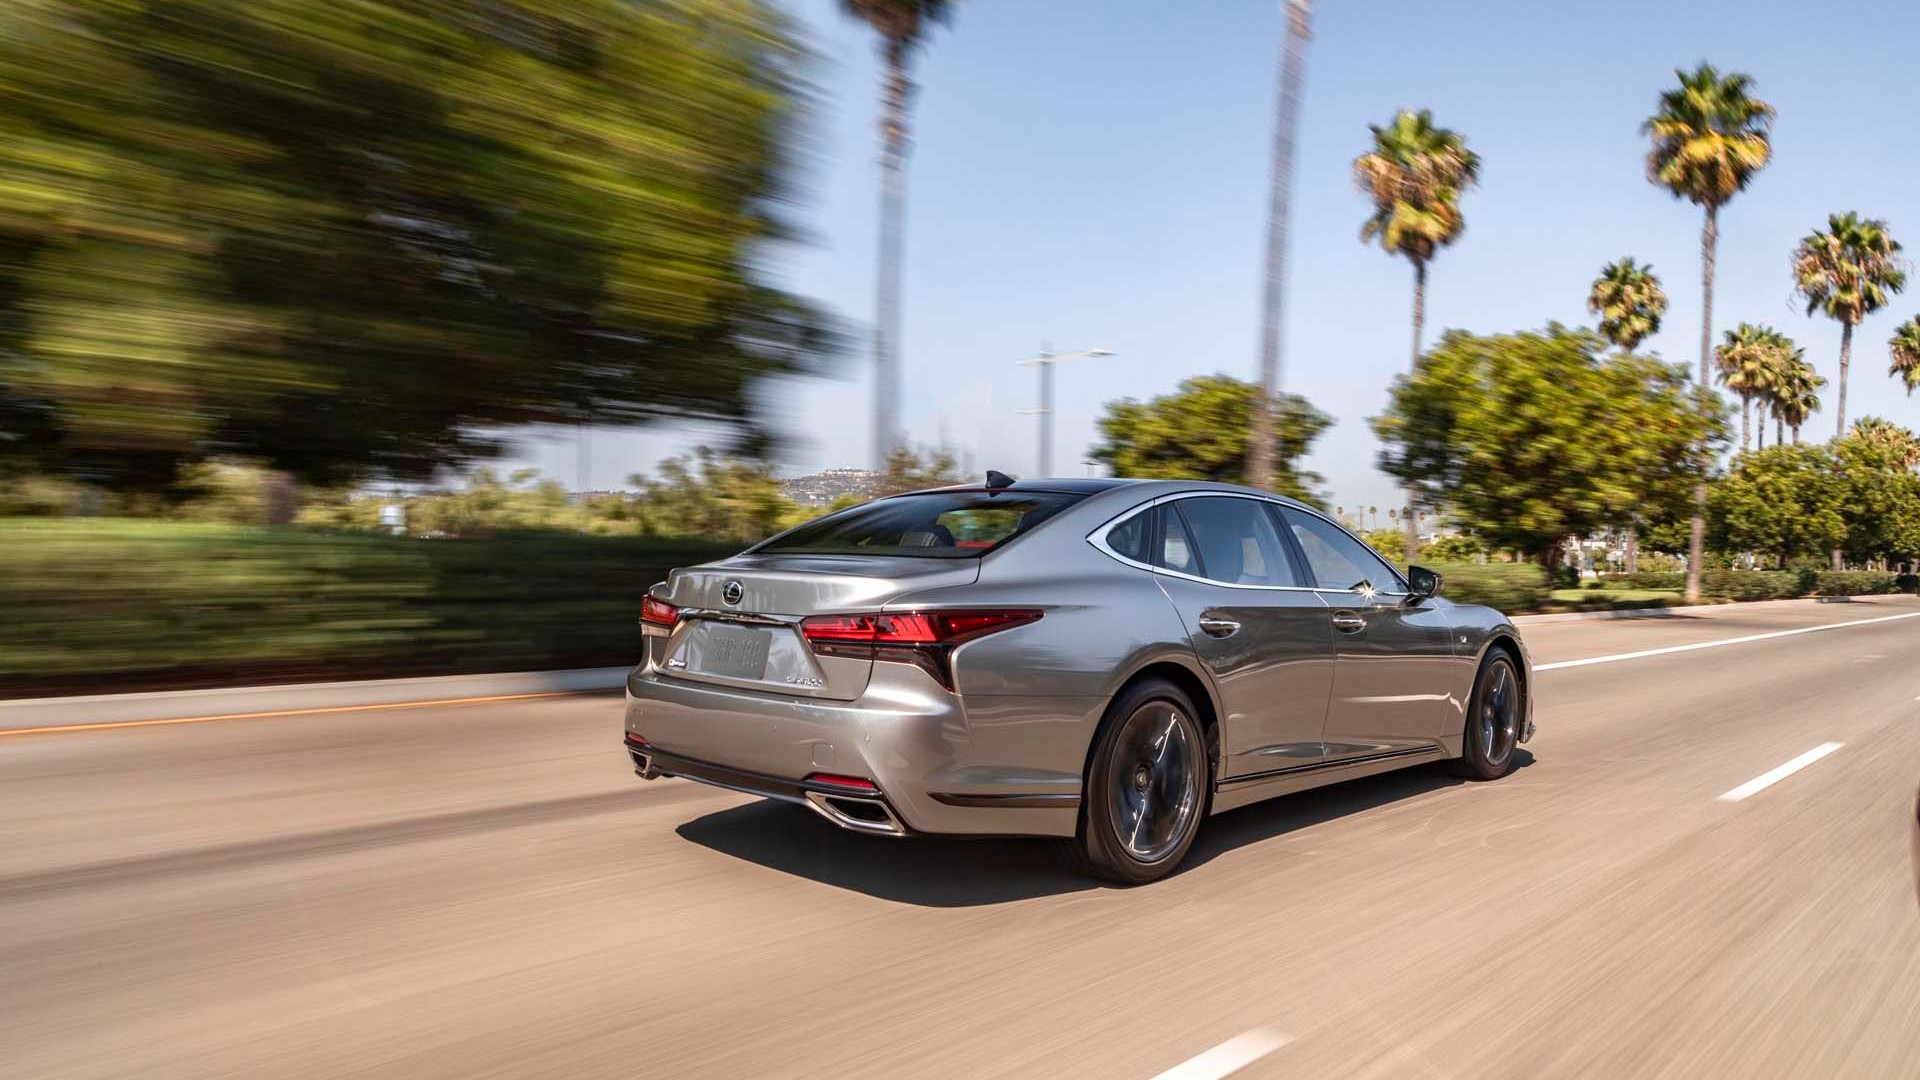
914, 627
657, 612
924, 639
851, 783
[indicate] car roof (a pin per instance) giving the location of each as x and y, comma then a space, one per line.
1096, 485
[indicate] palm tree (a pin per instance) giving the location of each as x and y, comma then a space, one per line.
1415, 175
1799, 394
1751, 362
1848, 273
1710, 136
1904, 350
901, 25
1293, 59
1900, 444
1629, 300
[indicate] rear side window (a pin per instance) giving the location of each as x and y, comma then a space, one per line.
1176, 545
935, 525
1130, 537
1238, 542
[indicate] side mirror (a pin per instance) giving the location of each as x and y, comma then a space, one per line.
1422, 584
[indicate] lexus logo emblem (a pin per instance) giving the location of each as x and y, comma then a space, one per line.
731, 592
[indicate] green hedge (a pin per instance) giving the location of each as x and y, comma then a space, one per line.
1646, 579
106, 603
1770, 584
1510, 587
1856, 582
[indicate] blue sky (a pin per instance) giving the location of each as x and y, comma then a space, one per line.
1093, 173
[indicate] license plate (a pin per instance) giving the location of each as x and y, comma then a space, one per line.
737, 652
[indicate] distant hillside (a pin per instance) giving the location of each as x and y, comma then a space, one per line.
821, 488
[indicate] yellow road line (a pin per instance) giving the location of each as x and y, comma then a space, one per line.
111, 724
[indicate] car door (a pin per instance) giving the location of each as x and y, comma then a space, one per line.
1393, 661
1254, 622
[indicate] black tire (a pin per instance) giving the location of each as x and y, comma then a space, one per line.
1496, 714
1150, 765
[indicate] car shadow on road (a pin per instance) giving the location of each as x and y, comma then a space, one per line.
944, 872
1290, 813
928, 871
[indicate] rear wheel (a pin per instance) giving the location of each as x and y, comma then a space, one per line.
1146, 788
1495, 714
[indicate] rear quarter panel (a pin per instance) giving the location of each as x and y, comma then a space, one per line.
1035, 694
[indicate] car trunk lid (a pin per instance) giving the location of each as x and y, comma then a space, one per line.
739, 624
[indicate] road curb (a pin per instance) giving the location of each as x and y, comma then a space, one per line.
244, 700
1694, 609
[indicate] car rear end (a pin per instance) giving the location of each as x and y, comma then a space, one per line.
818, 667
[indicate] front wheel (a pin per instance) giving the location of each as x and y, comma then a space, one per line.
1494, 716
1146, 787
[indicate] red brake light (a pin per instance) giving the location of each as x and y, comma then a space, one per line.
914, 627
658, 612
851, 783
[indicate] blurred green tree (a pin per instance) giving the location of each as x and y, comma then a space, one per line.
1783, 501
910, 469
343, 239
1202, 430
1526, 439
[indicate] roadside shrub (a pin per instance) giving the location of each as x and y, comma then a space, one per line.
1510, 587
1907, 583
1752, 584
91, 604
1646, 579
1856, 582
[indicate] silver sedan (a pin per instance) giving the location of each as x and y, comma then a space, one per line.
1103, 661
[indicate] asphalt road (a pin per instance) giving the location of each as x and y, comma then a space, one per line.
486, 891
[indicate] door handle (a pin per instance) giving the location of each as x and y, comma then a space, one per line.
1348, 622
1215, 626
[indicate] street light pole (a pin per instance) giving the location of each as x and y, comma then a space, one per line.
1045, 361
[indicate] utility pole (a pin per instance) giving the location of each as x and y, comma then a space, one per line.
1045, 361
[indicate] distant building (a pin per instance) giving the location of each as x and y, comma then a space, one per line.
821, 488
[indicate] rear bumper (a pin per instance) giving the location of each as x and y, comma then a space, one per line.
988, 766
853, 810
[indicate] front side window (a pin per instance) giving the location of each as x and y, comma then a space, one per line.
1237, 542
939, 525
1339, 561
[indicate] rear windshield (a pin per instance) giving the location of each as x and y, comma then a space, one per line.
937, 525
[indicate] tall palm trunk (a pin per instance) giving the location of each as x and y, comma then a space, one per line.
1697, 539
1746, 432
1419, 325
896, 99
1286, 109
1760, 425
1779, 431
1840, 399
1796, 434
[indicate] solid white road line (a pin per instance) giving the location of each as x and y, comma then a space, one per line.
1229, 1057
1773, 776
1721, 642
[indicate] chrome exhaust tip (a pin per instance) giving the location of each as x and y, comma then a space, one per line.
643, 765
857, 814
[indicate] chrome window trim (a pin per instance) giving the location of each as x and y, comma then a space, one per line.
1098, 538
